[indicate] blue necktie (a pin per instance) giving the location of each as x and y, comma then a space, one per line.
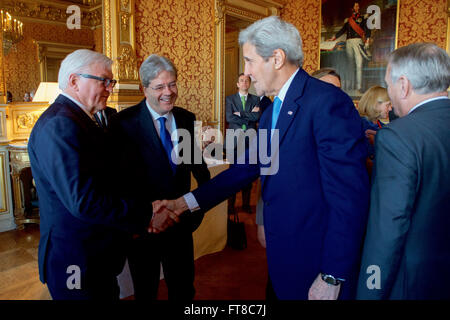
275, 111
166, 141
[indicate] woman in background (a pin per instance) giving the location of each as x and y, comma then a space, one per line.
373, 106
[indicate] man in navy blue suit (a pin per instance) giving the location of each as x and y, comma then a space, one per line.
83, 217
315, 205
139, 133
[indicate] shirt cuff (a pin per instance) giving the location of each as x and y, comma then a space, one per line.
191, 202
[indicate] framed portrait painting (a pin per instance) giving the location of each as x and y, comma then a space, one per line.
356, 37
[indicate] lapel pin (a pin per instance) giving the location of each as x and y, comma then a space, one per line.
290, 113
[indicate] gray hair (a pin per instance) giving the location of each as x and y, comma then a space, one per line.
152, 66
272, 33
78, 61
425, 65
325, 72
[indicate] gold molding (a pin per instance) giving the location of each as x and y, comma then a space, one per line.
52, 12
448, 27
3, 182
107, 46
119, 35
125, 65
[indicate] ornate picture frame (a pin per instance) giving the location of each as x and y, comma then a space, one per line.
356, 39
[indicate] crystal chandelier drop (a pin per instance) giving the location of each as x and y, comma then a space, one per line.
12, 30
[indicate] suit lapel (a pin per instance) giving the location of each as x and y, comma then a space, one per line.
288, 112
84, 119
148, 130
291, 104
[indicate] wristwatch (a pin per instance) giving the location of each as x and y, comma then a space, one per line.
328, 278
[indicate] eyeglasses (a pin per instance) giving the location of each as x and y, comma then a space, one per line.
106, 82
172, 86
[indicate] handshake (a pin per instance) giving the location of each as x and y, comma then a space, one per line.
166, 213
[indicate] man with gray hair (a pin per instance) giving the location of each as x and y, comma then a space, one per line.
407, 247
315, 206
149, 137
82, 216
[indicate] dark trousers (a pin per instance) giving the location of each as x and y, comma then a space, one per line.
270, 292
174, 250
95, 285
246, 192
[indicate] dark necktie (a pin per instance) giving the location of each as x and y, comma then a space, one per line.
166, 141
100, 119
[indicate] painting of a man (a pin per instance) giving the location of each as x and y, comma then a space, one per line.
356, 36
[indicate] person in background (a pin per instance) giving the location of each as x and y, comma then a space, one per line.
27, 97
9, 96
406, 252
373, 106
328, 75
242, 112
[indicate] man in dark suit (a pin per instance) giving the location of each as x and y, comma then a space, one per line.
242, 112
316, 191
83, 217
407, 247
142, 133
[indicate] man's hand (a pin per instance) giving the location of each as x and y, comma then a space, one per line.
370, 134
255, 109
237, 113
162, 219
177, 206
320, 290
261, 236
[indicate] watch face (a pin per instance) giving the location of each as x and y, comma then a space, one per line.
330, 280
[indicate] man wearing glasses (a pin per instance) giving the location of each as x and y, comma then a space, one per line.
102, 116
83, 218
147, 134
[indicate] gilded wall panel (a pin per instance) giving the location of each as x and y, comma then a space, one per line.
305, 15
422, 21
23, 120
184, 32
22, 65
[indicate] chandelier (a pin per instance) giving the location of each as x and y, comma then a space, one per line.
12, 31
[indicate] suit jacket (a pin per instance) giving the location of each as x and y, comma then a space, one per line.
81, 213
264, 103
147, 169
407, 234
233, 104
315, 206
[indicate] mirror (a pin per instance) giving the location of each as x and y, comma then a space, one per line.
47, 39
